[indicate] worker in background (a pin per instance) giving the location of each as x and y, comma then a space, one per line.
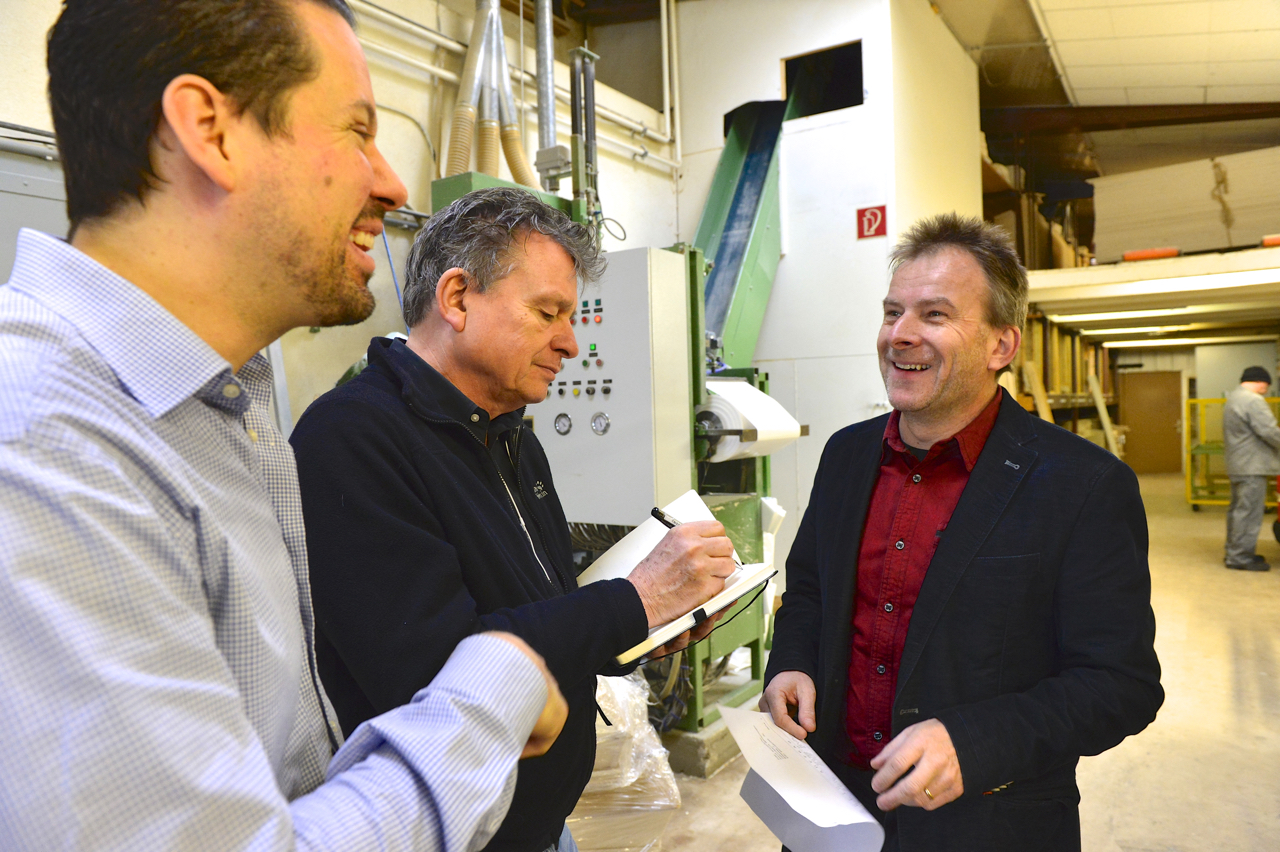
156, 631
968, 600
1250, 441
431, 510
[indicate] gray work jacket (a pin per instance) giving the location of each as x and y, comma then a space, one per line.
1250, 435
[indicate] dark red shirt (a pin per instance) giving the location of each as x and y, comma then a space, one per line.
910, 507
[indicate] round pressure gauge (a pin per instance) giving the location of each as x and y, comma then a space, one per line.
599, 423
563, 424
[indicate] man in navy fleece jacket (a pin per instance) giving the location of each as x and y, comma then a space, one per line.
431, 512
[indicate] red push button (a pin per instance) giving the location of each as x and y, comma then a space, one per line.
584, 319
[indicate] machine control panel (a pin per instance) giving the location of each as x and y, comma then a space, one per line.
616, 421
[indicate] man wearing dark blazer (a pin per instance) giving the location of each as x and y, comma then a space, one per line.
968, 608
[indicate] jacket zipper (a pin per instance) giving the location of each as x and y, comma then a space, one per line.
520, 517
515, 465
558, 587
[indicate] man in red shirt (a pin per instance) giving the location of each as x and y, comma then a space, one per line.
968, 599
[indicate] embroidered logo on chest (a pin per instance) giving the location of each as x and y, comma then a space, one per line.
539, 490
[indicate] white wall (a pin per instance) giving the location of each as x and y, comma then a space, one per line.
918, 158
22, 34
641, 197
1157, 359
937, 139
1218, 366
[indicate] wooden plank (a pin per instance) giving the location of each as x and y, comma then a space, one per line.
1104, 417
1061, 120
1031, 379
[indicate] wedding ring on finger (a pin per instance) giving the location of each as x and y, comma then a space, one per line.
927, 793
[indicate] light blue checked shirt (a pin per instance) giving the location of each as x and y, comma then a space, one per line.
157, 679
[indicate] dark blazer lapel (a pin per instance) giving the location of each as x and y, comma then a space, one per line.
999, 471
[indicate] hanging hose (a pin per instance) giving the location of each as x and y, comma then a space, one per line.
464, 123
488, 146
485, 117
474, 71
517, 161
512, 142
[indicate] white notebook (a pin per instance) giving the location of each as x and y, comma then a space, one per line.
621, 559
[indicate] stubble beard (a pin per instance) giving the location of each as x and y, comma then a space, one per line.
337, 294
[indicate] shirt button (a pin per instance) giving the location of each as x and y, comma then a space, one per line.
879, 669
231, 391
888, 607
900, 544
253, 435
475, 418
877, 736
915, 478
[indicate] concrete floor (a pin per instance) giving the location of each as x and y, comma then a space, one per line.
1204, 776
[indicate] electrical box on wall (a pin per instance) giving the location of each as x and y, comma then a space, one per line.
616, 423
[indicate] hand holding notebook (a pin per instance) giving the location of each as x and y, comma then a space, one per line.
675, 601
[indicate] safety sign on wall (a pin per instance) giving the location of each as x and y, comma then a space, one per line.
871, 222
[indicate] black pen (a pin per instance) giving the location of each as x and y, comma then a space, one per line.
671, 523
667, 521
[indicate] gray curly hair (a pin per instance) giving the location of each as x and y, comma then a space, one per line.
476, 234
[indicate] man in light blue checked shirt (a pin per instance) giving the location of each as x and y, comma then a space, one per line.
156, 635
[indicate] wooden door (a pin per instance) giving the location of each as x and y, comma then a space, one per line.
1151, 406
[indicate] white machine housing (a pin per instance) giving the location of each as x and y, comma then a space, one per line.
633, 367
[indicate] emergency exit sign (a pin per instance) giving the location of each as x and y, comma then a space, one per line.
871, 222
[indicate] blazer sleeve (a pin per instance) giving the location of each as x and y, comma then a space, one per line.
798, 623
390, 590
1107, 680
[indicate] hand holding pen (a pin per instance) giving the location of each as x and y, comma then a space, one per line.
684, 571
671, 523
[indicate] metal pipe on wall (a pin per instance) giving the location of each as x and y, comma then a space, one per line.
635, 151
589, 115
675, 81
546, 62
407, 25
488, 146
666, 67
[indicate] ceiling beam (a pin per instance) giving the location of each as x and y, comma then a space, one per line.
1058, 121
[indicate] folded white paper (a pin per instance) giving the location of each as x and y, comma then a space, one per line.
621, 559
795, 794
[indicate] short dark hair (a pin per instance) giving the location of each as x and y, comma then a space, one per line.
475, 234
989, 245
109, 64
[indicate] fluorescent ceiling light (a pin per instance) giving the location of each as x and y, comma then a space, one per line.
1177, 284
1121, 315
1149, 329
1185, 341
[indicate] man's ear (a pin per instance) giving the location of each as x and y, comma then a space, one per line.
451, 297
196, 121
1006, 349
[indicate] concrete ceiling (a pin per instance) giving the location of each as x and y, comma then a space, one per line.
1125, 53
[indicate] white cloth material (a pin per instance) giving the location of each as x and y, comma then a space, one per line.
159, 688
1250, 436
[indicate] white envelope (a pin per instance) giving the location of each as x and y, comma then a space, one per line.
797, 795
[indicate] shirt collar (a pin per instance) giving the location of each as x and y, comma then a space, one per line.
159, 361
969, 441
452, 402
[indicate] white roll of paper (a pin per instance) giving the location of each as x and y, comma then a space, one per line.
740, 405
